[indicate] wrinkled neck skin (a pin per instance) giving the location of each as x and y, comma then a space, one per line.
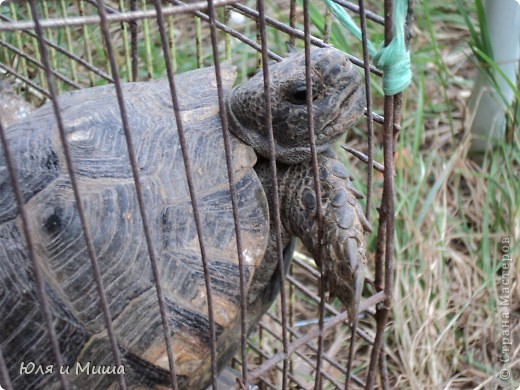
260, 142
266, 286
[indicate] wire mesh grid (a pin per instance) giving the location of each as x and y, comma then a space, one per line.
48, 48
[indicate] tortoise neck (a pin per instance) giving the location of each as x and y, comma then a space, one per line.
234, 124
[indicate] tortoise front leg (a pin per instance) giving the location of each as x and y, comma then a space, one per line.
342, 249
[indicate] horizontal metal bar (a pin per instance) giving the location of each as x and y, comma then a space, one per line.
353, 7
232, 32
377, 118
251, 13
60, 49
39, 64
120, 17
30, 83
363, 157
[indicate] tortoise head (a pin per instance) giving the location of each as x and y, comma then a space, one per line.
338, 103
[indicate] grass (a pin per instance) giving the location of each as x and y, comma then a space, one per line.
452, 213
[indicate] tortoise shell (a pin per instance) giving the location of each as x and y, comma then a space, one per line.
99, 153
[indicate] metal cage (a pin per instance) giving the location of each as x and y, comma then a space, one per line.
47, 48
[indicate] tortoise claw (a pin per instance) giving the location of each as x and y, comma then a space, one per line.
346, 279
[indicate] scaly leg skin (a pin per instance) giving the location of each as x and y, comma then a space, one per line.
342, 251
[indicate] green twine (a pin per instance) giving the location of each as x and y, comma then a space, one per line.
393, 59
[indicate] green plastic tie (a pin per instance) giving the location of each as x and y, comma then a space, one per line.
347, 21
393, 59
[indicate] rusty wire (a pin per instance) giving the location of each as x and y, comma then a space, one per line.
113, 17
317, 190
384, 253
234, 201
385, 241
30, 84
273, 169
60, 49
139, 191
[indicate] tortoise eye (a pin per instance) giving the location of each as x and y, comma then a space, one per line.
299, 96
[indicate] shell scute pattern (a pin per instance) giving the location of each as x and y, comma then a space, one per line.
98, 148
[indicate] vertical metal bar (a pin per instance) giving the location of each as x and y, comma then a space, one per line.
139, 190
396, 119
77, 197
386, 218
232, 190
191, 188
37, 272
4, 373
370, 125
368, 95
317, 187
386, 214
274, 178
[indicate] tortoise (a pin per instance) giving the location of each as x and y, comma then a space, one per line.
99, 153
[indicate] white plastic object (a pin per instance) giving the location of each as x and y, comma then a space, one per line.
486, 108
